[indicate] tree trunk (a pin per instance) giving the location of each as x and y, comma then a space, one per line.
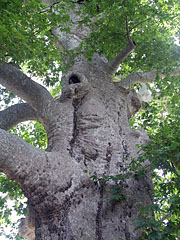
89, 138
88, 135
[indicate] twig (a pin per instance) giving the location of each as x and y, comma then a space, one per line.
139, 24
127, 29
50, 7
175, 171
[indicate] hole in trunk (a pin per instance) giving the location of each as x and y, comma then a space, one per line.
74, 79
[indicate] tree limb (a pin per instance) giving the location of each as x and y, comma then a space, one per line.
173, 74
143, 77
138, 77
18, 83
17, 158
16, 114
114, 64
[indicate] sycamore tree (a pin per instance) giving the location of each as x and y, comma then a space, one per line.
85, 183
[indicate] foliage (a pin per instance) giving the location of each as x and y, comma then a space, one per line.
26, 33
26, 40
26, 37
149, 23
161, 118
12, 200
163, 153
116, 189
33, 133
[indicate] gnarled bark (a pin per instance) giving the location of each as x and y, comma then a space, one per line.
88, 135
17, 158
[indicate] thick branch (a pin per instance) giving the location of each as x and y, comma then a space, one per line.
17, 82
138, 77
173, 74
146, 77
16, 114
114, 64
17, 158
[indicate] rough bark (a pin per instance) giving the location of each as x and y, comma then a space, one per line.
17, 157
138, 77
88, 135
16, 114
87, 129
21, 85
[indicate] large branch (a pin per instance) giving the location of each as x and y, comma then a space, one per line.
143, 77
139, 77
17, 158
114, 64
17, 82
16, 114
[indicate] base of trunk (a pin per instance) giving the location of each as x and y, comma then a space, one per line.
93, 214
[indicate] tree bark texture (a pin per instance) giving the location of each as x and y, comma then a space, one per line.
88, 135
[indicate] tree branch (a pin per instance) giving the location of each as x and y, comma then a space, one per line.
135, 26
18, 158
173, 74
146, 77
127, 29
114, 64
174, 169
17, 82
138, 77
16, 114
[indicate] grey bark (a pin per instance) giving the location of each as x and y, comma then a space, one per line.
114, 64
21, 85
144, 77
88, 134
138, 77
17, 157
16, 114
87, 129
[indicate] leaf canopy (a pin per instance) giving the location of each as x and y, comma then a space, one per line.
26, 33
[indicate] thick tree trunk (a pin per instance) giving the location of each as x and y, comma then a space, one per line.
89, 135
89, 139
54, 224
